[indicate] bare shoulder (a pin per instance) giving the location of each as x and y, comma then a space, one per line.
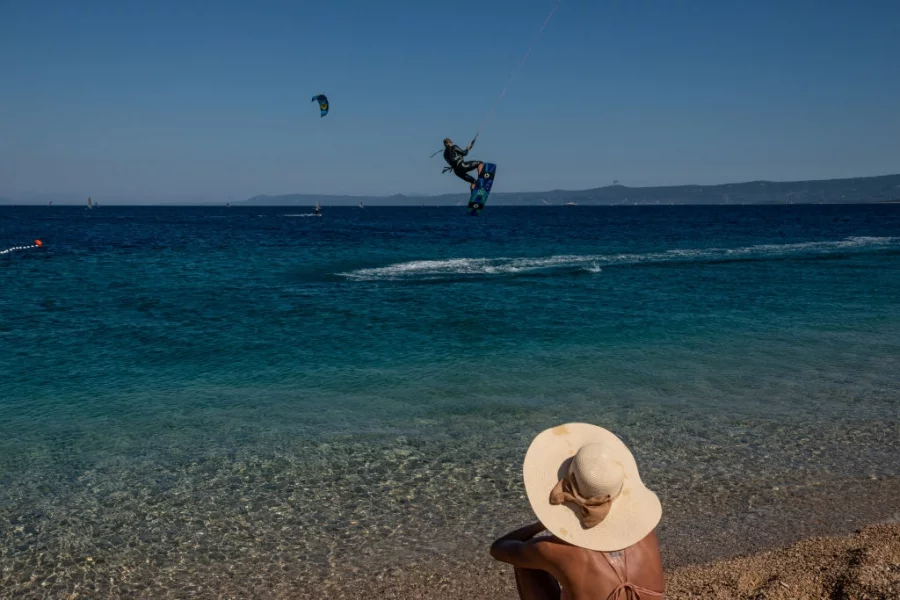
557, 551
650, 545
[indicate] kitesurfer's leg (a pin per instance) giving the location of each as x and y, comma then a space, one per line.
463, 171
464, 175
480, 168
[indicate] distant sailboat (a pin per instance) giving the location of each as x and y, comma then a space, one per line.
90, 204
360, 204
318, 210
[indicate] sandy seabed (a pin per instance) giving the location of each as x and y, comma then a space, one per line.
861, 566
777, 551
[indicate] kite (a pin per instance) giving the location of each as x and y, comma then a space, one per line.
323, 103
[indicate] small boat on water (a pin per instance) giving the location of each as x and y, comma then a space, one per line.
318, 210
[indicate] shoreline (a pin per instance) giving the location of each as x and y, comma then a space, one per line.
744, 550
862, 564
847, 541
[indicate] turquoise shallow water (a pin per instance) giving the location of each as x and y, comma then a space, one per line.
209, 385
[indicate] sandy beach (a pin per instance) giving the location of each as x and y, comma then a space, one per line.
863, 565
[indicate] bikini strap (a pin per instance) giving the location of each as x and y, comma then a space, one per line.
627, 590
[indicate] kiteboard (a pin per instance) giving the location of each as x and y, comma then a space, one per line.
482, 189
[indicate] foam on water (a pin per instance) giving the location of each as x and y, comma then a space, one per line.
499, 266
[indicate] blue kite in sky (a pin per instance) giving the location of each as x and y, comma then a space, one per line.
323, 103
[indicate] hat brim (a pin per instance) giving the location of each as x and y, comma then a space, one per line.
634, 513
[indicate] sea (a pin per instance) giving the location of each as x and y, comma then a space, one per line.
202, 399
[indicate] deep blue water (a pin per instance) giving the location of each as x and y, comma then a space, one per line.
145, 340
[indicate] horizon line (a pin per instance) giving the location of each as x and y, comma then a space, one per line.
10, 199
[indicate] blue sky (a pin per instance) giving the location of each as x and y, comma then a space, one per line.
128, 99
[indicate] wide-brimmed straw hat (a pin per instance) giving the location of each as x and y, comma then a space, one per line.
583, 485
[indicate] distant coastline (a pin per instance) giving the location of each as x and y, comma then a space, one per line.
857, 190
884, 189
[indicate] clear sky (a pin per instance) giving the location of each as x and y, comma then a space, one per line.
137, 99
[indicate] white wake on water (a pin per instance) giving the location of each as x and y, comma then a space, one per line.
594, 263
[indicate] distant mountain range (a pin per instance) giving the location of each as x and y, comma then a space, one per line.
858, 190
80, 199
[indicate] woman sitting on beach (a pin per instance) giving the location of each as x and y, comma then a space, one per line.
583, 485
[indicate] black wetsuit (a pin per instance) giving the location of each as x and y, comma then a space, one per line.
454, 157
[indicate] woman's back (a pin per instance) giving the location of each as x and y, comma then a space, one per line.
593, 575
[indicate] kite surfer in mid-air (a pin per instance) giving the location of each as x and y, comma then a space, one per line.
454, 156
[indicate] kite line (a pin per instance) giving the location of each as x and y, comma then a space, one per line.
516, 70
512, 75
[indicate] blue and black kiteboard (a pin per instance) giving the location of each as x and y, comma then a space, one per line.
482, 189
